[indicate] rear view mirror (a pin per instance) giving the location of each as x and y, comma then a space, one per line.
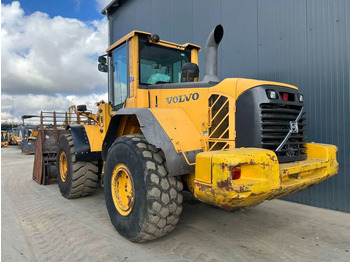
102, 59
189, 72
102, 68
102, 64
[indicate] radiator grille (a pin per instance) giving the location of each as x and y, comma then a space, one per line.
275, 125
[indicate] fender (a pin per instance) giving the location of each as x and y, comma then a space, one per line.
155, 135
81, 144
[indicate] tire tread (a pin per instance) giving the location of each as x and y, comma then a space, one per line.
162, 216
84, 175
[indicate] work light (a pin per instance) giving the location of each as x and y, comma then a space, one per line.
301, 98
271, 94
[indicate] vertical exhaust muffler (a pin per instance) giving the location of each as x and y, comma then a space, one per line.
211, 54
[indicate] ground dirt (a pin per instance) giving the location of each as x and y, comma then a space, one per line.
38, 224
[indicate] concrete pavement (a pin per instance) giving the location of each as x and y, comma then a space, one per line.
38, 224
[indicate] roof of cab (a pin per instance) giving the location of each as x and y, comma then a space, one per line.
135, 32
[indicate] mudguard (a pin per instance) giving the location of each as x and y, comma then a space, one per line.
82, 145
155, 135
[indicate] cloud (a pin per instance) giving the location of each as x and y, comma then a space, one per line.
49, 63
24, 105
43, 55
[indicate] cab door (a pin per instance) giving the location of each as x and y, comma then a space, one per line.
119, 84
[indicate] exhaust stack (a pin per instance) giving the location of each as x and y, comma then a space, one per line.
211, 54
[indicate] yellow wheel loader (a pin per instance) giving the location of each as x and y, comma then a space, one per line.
4, 139
232, 143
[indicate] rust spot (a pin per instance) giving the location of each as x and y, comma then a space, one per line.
240, 188
225, 184
255, 194
228, 186
229, 167
223, 166
203, 187
272, 157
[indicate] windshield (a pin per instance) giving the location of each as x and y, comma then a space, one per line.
160, 64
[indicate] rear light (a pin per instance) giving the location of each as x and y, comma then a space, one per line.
236, 173
285, 96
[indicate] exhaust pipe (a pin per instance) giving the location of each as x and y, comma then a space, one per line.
211, 54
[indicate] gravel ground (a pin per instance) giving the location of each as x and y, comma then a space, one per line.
37, 224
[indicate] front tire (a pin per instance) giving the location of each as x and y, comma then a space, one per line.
75, 178
143, 202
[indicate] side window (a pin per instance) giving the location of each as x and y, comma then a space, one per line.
120, 75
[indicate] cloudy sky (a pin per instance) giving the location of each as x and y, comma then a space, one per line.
49, 55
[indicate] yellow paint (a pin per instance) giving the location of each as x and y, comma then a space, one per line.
5, 138
262, 177
98, 129
177, 46
161, 42
133, 66
63, 167
178, 126
186, 116
125, 38
35, 133
203, 167
122, 187
95, 137
194, 112
194, 55
129, 125
198, 110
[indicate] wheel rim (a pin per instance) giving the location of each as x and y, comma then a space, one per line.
63, 166
122, 189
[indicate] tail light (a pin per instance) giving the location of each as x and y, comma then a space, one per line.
285, 96
236, 173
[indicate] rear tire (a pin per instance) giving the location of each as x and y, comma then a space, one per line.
156, 200
75, 178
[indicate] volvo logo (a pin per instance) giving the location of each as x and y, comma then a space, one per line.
294, 127
182, 98
292, 130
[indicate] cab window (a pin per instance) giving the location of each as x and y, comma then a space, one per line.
119, 65
159, 65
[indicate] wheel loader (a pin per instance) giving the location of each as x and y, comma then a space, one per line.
4, 139
232, 143
29, 134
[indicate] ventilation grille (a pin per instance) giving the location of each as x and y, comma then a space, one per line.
218, 122
276, 125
